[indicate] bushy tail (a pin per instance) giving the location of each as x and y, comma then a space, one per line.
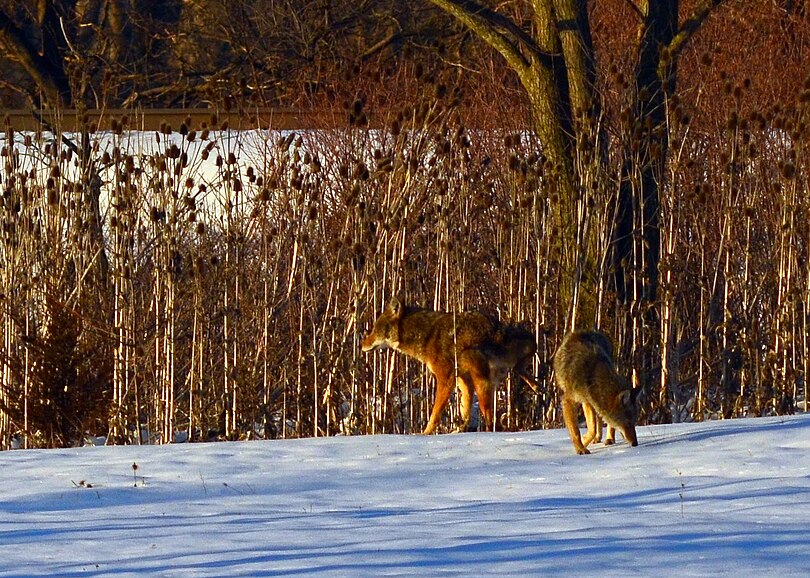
530, 380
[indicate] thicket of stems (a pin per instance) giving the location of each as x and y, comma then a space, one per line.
220, 287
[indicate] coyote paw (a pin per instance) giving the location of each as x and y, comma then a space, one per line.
610, 442
462, 427
583, 451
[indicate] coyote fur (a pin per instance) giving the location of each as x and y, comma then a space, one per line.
585, 371
467, 349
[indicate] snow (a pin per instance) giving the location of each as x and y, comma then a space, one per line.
715, 498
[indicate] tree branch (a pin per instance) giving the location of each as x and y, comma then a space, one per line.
691, 25
38, 68
635, 7
498, 31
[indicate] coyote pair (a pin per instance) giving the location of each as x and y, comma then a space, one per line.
585, 371
467, 349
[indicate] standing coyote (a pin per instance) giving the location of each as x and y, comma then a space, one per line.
585, 372
467, 349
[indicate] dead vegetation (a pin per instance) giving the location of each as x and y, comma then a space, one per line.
217, 282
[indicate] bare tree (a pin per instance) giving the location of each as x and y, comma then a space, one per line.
93, 53
548, 44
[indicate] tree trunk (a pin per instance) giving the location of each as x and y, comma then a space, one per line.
643, 166
556, 68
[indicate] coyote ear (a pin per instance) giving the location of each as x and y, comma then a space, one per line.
627, 397
394, 307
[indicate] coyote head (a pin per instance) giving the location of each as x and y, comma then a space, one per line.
626, 413
385, 332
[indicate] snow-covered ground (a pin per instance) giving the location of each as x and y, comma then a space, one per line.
710, 499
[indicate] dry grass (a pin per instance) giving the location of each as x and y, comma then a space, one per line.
230, 302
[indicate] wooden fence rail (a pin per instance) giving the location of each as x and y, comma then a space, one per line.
152, 119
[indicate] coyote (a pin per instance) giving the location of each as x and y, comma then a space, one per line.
585, 371
467, 349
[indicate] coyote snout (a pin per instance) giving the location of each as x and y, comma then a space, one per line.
585, 371
467, 349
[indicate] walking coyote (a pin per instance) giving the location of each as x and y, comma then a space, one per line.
467, 349
585, 371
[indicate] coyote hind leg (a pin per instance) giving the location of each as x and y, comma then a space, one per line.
466, 404
476, 371
594, 421
571, 416
444, 387
486, 403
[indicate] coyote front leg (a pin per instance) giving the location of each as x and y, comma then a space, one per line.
596, 427
611, 435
